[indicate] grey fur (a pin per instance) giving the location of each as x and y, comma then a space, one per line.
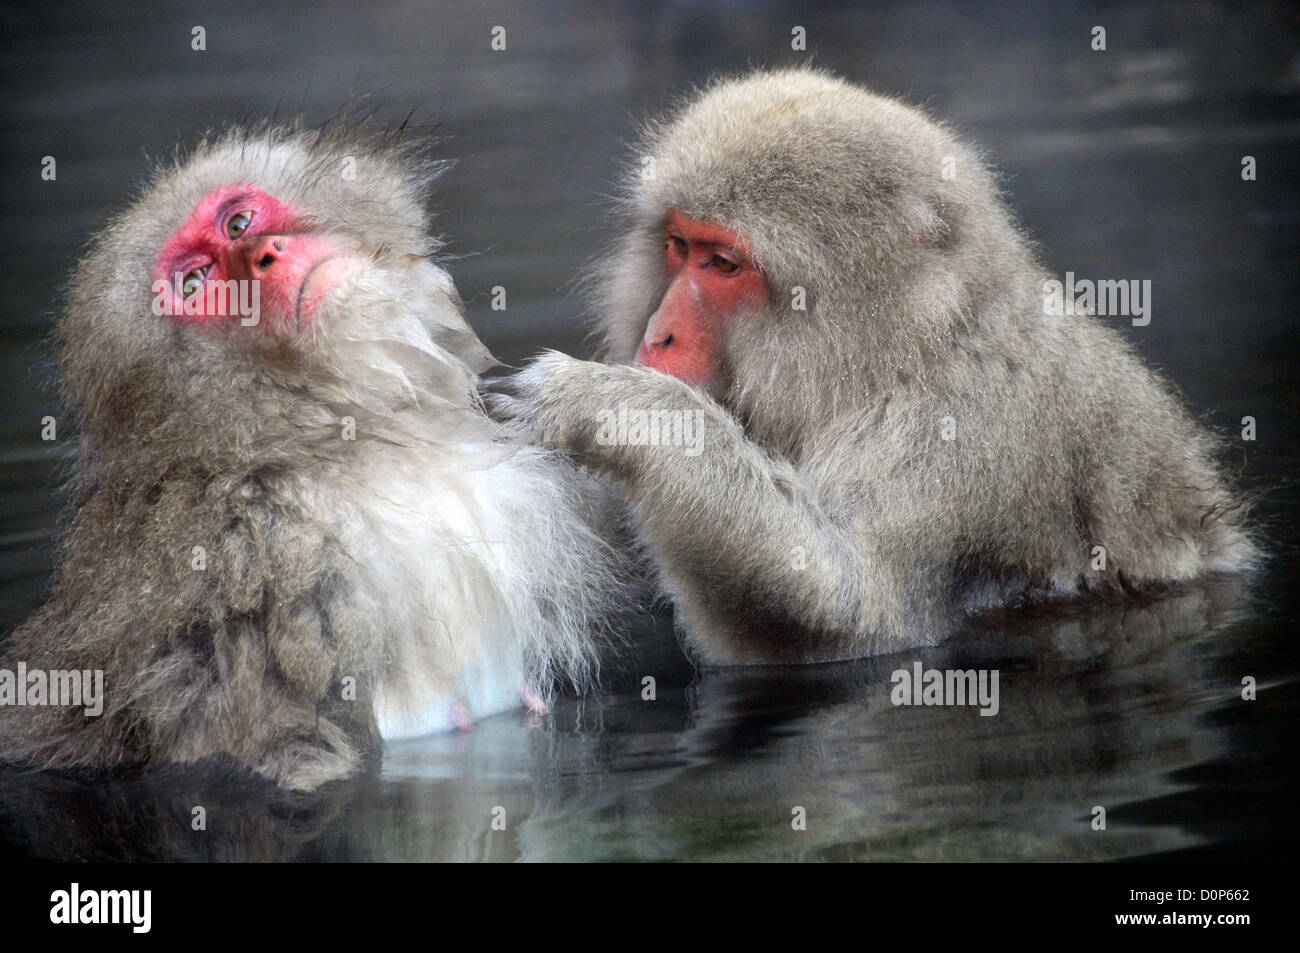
229, 439
824, 448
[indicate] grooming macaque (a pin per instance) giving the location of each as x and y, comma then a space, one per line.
296, 531
897, 433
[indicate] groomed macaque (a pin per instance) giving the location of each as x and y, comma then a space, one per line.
841, 412
295, 530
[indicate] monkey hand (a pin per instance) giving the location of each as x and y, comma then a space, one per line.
501, 400
602, 413
555, 399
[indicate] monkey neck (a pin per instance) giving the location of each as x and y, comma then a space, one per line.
318, 421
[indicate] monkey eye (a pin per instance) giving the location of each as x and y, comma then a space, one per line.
193, 282
238, 224
725, 265
679, 245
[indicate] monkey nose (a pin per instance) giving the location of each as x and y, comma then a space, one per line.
261, 253
649, 346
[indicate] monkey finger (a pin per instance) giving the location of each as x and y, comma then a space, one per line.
504, 384
505, 408
502, 398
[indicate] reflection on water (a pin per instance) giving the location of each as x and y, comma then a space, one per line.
1124, 164
1127, 706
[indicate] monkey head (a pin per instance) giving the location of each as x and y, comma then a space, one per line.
793, 233
235, 301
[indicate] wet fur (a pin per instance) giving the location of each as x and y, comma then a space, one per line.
925, 301
433, 560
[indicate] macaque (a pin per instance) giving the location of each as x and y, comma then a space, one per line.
296, 532
843, 416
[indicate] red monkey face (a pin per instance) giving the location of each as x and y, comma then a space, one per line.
243, 254
711, 281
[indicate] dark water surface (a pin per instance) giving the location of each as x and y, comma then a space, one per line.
1123, 164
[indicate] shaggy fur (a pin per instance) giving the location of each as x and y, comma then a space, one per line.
351, 587
827, 516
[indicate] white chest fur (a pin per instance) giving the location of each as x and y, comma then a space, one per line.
480, 574
438, 543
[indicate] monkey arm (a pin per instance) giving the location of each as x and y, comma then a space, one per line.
758, 569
